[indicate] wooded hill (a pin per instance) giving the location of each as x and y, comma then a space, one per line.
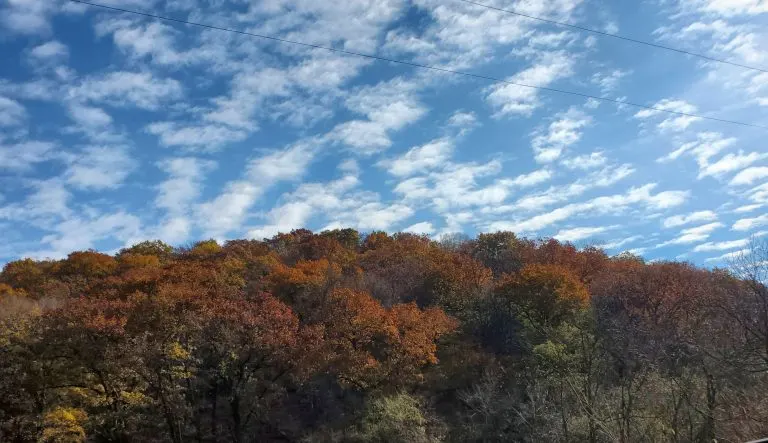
342, 337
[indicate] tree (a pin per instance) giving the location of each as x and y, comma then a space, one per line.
64, 425
155, 248
396, 418
369, 345
500, 252
543, 295
24, 275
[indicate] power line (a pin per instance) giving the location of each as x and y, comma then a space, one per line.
418, 65
617, 36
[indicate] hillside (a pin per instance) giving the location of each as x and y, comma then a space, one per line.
340, 336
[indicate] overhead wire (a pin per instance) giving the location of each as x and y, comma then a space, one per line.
417, 65
613, 35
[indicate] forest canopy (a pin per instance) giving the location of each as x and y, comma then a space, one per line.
339, 336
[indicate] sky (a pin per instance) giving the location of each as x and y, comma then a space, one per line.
117, 128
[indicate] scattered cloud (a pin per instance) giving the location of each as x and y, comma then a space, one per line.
721, 246
100, 167
748, 208
750, 175
669, 122
421, 158
693, 235
402, 143
728, 256
745, 224
585, 161
205, 137
609, 81
128, 89
49, 51
22, 156
12, 113
531, 179
516, 99
606, 205
230, 209
461, 119
388, 106
562, 133
729, 163
421, 228
616, 244
576, 234
694, 217
182, 187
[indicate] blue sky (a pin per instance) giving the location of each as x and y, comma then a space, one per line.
116, 128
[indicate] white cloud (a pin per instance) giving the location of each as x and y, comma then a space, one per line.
455, 186
155, 40
22, 156
94, 123
693, 235
729, 256
612, 204
205, 137
750, 175
730, 7
748, 208
283, 219
49, 199
287, 164
460, 35
378, 216
388, 107
421, 158
229, 210
27, 16
332, 199
694, 217
759, 194
183, 185
596, 179
729, 163
174, 230
421, 228
349, 165
721, 246
745, 224
52, 50
128, 89
619, 243
576, 234
609, 81
12, 113
707, 145
561, 134
177, 194
463, 119
671, 122
520, 100
80, 233
100, 167
531, 179
89, 116
586, 161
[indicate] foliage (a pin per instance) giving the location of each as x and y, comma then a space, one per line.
395, 418
339, 336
